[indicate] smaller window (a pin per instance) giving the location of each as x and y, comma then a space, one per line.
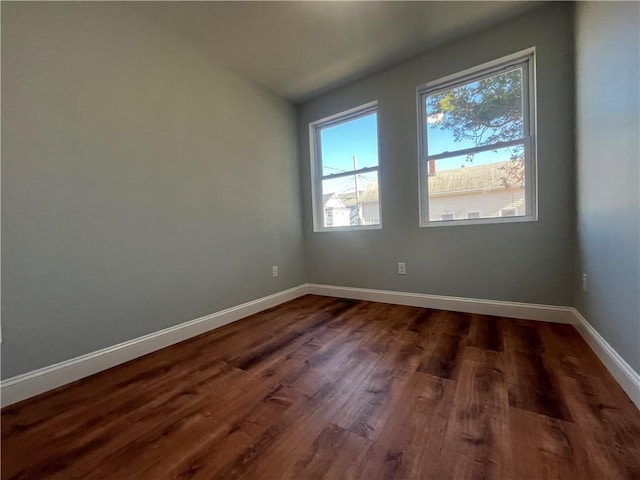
474, 214
447, 216
508, 212
344, 170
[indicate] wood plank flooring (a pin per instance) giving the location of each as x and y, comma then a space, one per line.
330, 388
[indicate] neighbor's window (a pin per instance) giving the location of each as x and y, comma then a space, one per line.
344, 170
477, 145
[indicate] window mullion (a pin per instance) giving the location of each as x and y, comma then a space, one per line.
479, 149
349, 173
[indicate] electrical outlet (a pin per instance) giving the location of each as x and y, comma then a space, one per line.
274, 271
402, 268
585, 283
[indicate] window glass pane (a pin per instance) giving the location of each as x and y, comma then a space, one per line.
343, 205
350, 145
485, 185
480, 112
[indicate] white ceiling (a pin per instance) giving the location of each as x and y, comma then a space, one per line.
300, 49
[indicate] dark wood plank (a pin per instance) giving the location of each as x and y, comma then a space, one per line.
380, 394
524, 337
260, 351
544, 447
414, 436
486, 333
534, 387
476, 441
603, 412
424, 321
172, 362
335, 453
443, 360
222, 438
331, 388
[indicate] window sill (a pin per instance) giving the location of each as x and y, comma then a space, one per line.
483, 221
348, 229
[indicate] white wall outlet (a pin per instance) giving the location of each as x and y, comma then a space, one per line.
402, 268
585, 283
274, 271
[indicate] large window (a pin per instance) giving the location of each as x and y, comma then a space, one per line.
344, 170
477, 145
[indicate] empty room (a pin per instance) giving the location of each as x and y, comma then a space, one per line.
320, 240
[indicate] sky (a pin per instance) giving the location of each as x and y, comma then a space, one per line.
340, 143
359, 137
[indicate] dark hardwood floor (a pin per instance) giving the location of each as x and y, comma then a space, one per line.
329, 388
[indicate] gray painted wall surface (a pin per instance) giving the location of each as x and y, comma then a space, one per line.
142, 185
528, 262
608, 155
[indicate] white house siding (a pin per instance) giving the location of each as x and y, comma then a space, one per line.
488, 203
371, 213
336, 217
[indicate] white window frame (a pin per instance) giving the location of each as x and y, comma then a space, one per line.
508, 209
316, 166
526, 59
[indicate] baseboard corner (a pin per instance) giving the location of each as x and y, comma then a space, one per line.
624, 374
21, 387
525, 311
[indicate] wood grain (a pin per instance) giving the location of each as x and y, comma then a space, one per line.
330, 388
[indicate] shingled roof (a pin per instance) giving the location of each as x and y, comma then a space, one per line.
369, 194
491, 176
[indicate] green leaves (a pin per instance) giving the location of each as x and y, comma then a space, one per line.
486, 111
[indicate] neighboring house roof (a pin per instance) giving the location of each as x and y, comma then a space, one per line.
349, 199
368, 195
332, 200
491, 176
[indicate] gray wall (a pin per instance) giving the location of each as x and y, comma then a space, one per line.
608, 154
528, 262
142, 185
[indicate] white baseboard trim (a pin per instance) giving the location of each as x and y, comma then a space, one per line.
38, 381
626, 376
628, 379
525, 311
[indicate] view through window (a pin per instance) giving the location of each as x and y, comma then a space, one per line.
345, 164
477, 146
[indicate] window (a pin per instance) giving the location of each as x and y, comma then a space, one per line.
477, 144
344, 170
